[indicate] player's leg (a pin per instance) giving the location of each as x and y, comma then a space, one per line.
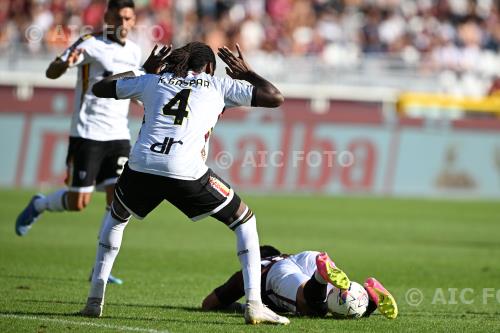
211, 196
58, 201
315, 296
109, 243
327, 272
114, 160
244, 224
382, 299
109, 198
83, 161
314, 291
31, 213
130, 198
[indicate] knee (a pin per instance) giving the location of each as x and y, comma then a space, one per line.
110, 192
205, 306
233, 215
77, 207
211, 302
119, 212
243, 215
78, 201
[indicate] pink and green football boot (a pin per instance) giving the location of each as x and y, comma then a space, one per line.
331, 273
385, 302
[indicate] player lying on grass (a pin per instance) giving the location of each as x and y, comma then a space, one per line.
181, 106
306, 283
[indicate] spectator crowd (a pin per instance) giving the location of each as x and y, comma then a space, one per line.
442, 34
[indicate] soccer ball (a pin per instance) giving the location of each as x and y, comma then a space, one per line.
351, 303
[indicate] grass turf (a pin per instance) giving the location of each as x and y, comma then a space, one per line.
169, 264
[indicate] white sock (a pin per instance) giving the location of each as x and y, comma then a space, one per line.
52, 202
319, 278
108, 246
247, 242
108, 209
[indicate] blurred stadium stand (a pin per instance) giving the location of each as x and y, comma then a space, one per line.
410, 88
381, 43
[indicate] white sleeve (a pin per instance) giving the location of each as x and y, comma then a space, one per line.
131, 87
139, 71
82, 43
236, 93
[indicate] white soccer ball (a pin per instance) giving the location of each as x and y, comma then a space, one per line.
351, 303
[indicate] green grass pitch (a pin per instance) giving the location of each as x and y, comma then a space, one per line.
448, 250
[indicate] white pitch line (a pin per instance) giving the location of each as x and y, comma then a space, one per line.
82, 323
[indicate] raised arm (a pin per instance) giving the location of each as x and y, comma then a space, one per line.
58, 67
106, 88
265, 93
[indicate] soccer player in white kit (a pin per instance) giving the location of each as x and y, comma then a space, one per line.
99, 142
181, 106
300, 284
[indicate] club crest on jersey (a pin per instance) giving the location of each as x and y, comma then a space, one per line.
82, 174
219, 186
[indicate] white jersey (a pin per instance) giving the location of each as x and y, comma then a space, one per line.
101, 119
179, 114
287, 275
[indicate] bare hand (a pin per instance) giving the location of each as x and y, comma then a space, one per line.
238, 68
73, 57
155, 62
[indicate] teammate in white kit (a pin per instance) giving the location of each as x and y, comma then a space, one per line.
182, 105
99, 142
300, 283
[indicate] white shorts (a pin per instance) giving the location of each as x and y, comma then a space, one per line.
287, 275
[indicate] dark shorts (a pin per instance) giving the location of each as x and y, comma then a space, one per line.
94, 163
209, 195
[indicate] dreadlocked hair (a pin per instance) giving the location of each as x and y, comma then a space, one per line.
192, 56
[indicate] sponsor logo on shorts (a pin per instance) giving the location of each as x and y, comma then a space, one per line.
82, 174
219, 186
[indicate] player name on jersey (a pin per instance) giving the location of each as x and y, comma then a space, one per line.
185, 83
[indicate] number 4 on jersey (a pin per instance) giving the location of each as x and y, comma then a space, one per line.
177, 106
